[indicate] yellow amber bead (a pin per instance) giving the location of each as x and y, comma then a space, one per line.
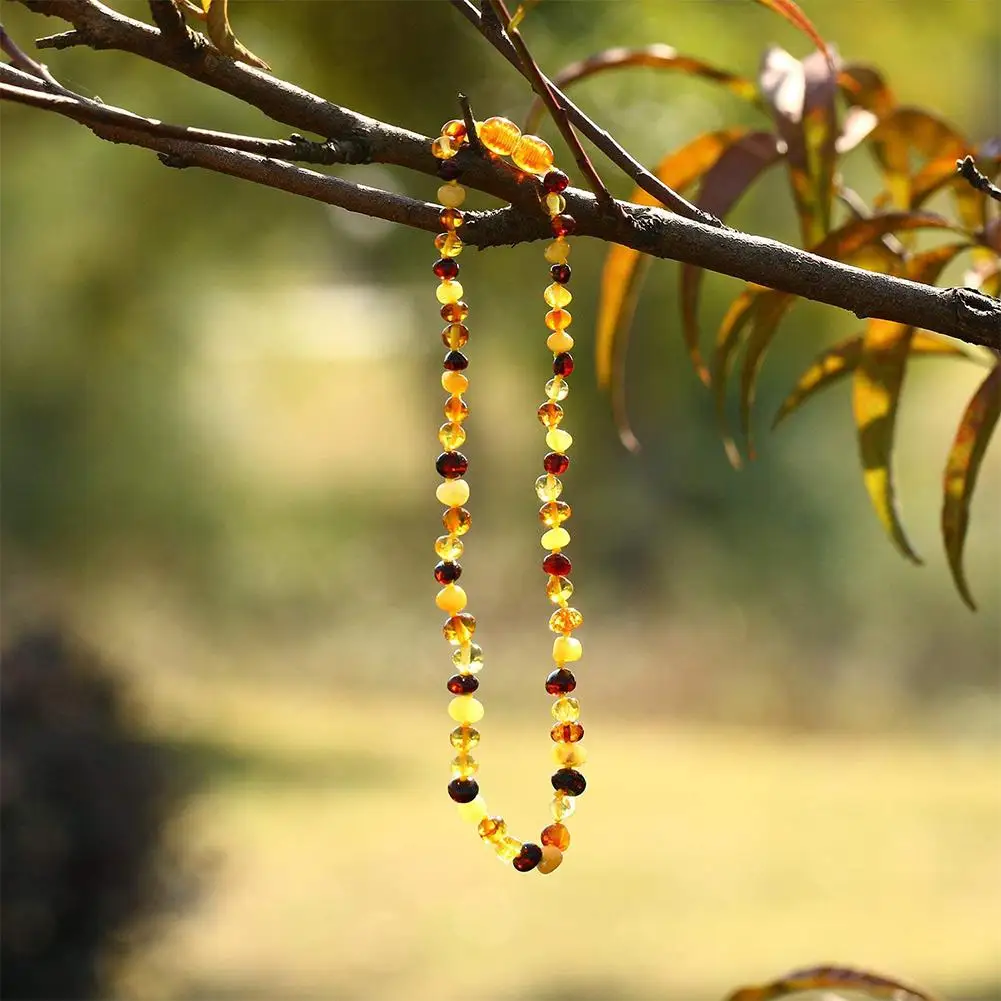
562, 806
559, 342
553, 514
465, 709
458, 630
557, 296
565, 620
455, 129
451, 195
456, 410
448, 291
455, 335
464, 738
558, 319
565, 709
451, 436
464, 766
559, 440
451, 218
507, 848
569, 755
448, 244
499, 135
552, 859
555, 203
451, 599
452, 493
548, 487
559, 589
533, 155
457, 520
558, 251
566, 649
492, 828
474, 811
447, 547
555, 538
557, 389
468, 659
550, 414
442, 148
454, 382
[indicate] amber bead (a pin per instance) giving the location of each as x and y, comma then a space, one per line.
555, 181
563, 224
464, 738
468, 658
569, 755
557, 564
552, 859
459, 628
446, 267
465, 709
548, 487
555, 538
454, 383
448, 548
447, 572
456, 409
452, 493
451, 195
567, 733
565, 620
556, 295
448, 245
550, 414
451, 436
474, 811
563, 364
560, 273
560, 682
455, 361
491, 828
557, 252
559, 440
453, 313
462, 684
464, 766
567, 648
562, 806
533, 155
499, 135
451, 599
528, 858
570, 781
449, 170
559, 341
557, 389
555, 204
451, 465
556, 463
442, 148
455, 335
553, 514
566, 710
463, 790
457, 521
451, 218
556, 835
507, 848
559, 589
448, 291
455, 130
558, 319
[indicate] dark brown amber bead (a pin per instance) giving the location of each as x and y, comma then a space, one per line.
455, 335
560, 273
466, 790
454, 312
563, 225
555, 181
447, 572
563, 364
557, 836
451, 218
556, 463
568, 733
560, 682
462, 684
528, 858
567, 780
451, 465
446, 267
557, 564
455, 361
449, 170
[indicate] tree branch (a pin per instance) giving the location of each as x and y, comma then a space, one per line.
961, 313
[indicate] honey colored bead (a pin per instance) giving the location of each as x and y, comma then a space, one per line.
464, 766
451, 436
468, 659
507, 848
566, 649
455, 335
562, 807
465, 709
457, 520
550, 414
455, 383
553, 514
464, 738
569, 733
455, 409
492, 828
499, 135
559, 589
448, 244
566, 709
552, 859
455, 129
565, 620
448, 547
442, 148
452, 219
559, 342
451, 195
533, 155
558, 252
558, 319
548, 487
451, 599
559, 440
474, 811
459, 629
557, 389
452, 493
448, 291
569, 755
557, 836
557, 296
555, 538
555, 203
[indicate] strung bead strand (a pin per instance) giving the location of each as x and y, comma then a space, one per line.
534, 156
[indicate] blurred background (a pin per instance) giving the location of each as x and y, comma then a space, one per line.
219, 409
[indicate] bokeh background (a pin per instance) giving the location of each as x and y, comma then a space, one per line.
219, 406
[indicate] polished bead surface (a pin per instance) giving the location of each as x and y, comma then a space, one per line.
559, 342
451, 465
448, 291
464, 766
454, 383
448, 245
569, 755
463, 790
464, 738
528, 858
562, 806
456, 409
448, 547
451, 599
560, 682
451, 195
558, 251
507, 848
563, 364
446, 267
468, 659
567, 733
561, 273
451, 218
556, 295
550, 414
553, 514
557, 389
442, 148
559, 440
455, 129
555, 538
452, 493
555, 181
558, 319
552, 859
559, 589
462, 684
447, 572
455, 335
533, 155
499, 135
457, 520
548, 487
555, 204
473, 811
455, 361
465, 709
563, 224
570, 781
557, 564
566, 710
451, 436
565, 620
459, 629
492, 828
556, 835
556, 463
567, 649
449, 170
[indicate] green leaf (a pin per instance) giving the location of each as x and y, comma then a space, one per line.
832, 978
961, 471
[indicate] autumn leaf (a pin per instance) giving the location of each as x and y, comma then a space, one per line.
221, 34
795, 16
832, 978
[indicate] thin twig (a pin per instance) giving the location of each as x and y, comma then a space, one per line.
967, 169
472, 136
22, 61
556, 111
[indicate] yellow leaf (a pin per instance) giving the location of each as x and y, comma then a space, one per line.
217, 22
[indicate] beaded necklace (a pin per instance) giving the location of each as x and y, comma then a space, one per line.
534, 157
